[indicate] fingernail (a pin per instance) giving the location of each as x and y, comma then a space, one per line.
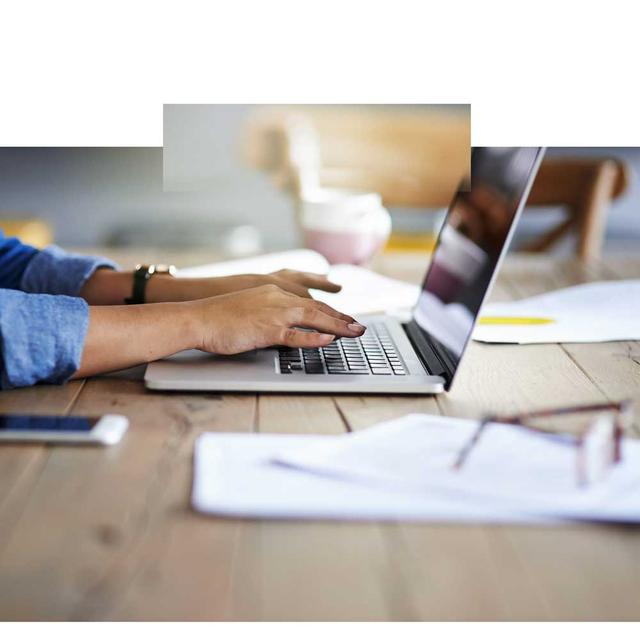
355, 326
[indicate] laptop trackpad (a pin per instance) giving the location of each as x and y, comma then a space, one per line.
194, 355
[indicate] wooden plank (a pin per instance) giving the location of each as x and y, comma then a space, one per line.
183, 566
612, 367
311, 570
21, 465
585, 571
108, 533
41, 399
442, 571
480, 572
507, 378
120, 538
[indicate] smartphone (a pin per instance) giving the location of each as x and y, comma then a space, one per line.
100, 430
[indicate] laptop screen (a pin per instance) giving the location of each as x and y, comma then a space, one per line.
472, 240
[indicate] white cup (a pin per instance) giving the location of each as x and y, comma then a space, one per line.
344, 226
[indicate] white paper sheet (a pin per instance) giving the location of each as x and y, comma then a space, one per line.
235, 476
363, 291
299, 259
594, 312
509, 468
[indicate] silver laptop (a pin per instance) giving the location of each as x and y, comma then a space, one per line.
420, 356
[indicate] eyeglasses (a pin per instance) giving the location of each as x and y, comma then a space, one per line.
598, 444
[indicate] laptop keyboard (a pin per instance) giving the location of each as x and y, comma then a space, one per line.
374, 353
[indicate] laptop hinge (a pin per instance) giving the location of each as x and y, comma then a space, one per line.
433, 358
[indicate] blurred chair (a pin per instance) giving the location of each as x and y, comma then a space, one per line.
416, 158
584, 188
411, 156
33, 231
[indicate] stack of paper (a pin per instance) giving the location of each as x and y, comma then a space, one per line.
403, 469
363, 291
595, 312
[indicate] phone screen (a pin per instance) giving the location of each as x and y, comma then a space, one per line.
46, 423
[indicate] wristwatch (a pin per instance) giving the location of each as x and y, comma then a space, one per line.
142, 274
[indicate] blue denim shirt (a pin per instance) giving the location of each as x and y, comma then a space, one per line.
43, 323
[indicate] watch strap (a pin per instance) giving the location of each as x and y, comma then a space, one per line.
141, 276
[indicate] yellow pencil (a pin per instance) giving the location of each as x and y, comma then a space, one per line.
513, 320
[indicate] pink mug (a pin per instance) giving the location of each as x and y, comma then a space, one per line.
345, 226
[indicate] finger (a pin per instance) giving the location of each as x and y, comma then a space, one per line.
317, 304
292, 287
304, 339
330, 311
316, 281
313, 318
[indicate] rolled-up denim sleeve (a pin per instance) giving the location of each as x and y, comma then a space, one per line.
59, 272
41, 337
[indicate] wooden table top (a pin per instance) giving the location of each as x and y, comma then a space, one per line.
102, 534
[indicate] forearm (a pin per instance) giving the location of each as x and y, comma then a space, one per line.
124, 336
109, 287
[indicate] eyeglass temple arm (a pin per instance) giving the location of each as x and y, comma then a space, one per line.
521, 417
471, 443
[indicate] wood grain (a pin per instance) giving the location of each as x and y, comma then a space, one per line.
108, 534
21, 465
309, 570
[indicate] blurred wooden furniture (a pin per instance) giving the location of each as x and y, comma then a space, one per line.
89, 533
416, 159
411, 156
584, 187
31, 231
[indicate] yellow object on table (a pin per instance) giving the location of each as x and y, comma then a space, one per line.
513, 320
411, 242
32, 231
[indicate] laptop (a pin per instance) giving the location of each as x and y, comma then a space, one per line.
420, 356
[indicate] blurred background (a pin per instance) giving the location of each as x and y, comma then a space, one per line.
242, 179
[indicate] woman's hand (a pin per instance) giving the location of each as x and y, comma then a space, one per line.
108, 287
299, 282
296, 282
266, 316
123, 336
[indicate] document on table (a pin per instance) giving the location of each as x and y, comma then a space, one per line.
236, 475
510, 466
363, 291
594, 312
402, 469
